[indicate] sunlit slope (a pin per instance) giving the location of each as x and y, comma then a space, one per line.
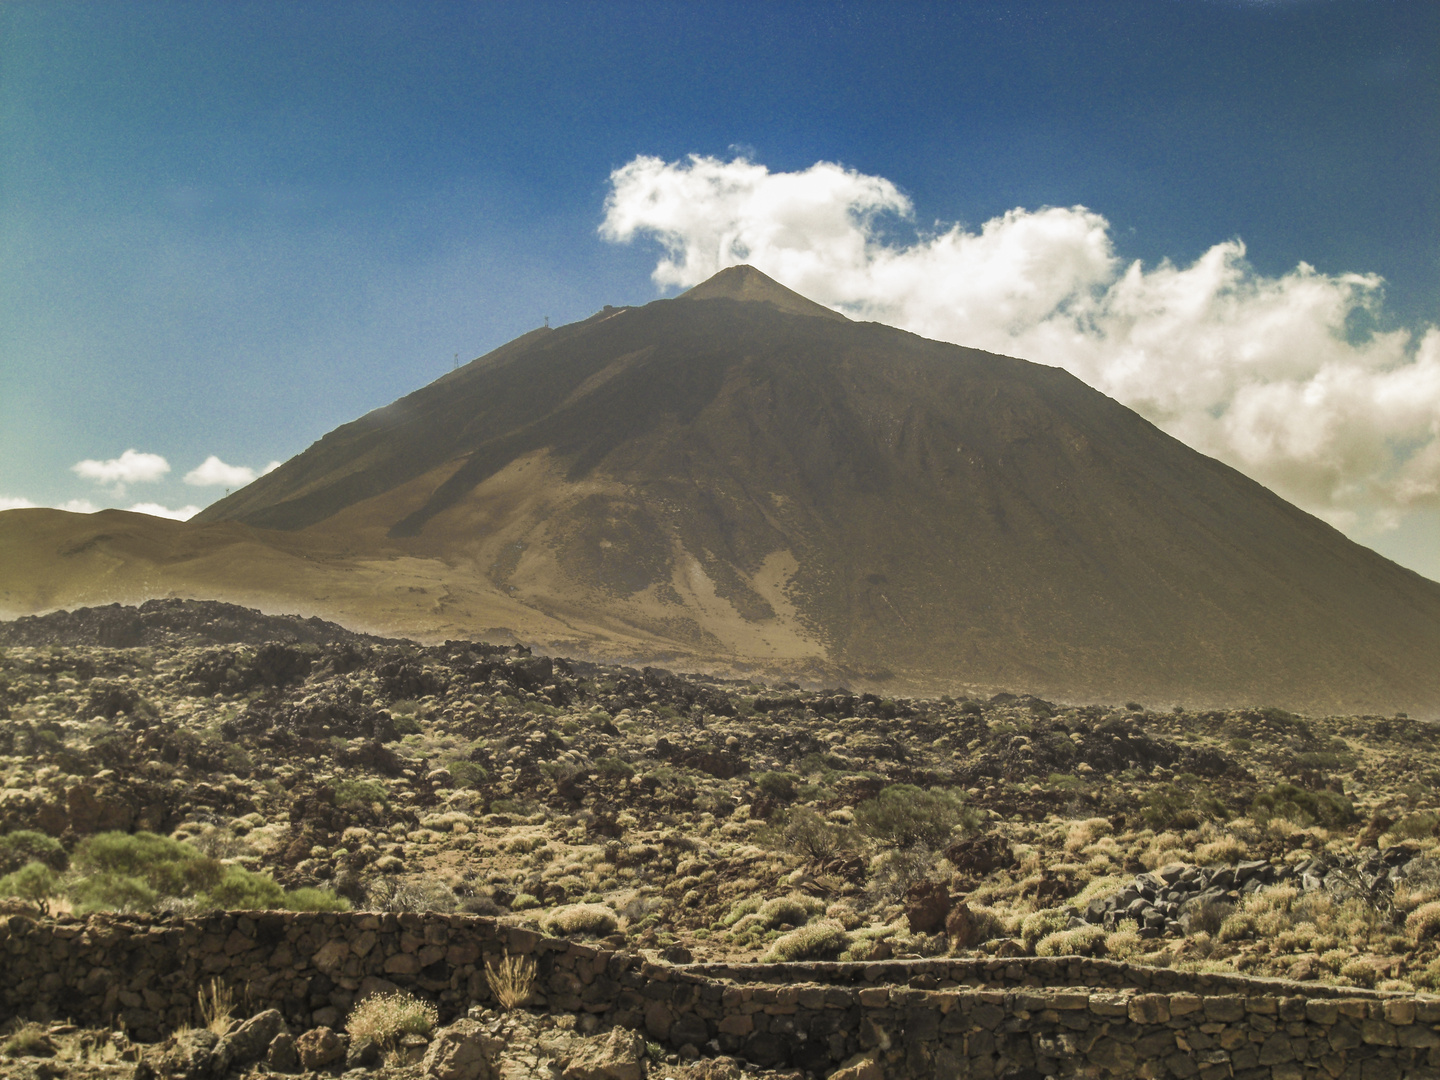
761, 477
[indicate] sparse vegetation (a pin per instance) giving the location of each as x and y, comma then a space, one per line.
674, 811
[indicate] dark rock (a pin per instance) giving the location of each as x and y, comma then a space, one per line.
251, 1039
927, 903
364, 1053
319, 1047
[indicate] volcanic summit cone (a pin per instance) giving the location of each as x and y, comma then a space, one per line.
741, 474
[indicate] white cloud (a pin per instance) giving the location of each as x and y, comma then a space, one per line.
213, 472
78, 506
185, 513
1258, 371
7, 503
131, 467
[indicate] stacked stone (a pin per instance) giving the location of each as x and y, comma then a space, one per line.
982, 1017
145, 972
1164, 901
919, 1032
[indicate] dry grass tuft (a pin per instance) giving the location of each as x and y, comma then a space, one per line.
217, 1007
511, 980
29, 1040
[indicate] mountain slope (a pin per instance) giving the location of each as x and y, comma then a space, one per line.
743, 473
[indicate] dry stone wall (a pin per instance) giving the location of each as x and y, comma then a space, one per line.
951, 1018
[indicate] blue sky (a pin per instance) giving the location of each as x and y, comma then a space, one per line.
227, 228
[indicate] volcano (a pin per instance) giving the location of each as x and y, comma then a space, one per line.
740, 474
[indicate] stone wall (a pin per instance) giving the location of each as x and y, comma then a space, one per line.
928, 1018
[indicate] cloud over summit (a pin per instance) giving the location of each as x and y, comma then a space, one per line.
1268, 374
212, 472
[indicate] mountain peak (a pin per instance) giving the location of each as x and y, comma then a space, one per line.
748, 284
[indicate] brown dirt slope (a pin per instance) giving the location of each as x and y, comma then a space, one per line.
762, 478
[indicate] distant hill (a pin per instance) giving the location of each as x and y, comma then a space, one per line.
740, 475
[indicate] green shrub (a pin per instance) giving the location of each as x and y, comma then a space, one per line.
747, 905
467, 773
794, 909
1328, 760
26, 846
308, 899
111, 892
905, 815
1182, 803
803, 831
168, 867
776, 785
821, 940
242, 889
1415, 826
1303, 807
361, 793
34, 882
614, 769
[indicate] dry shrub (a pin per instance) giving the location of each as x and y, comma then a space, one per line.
421, 894
511, 979
596, 919
1157, 855
846, 914
1265, 912
1335, 959
1082, 941
823, 939
387, 1017
1081, 834
1420, 885
986, 924
1124, 942
1226, 849
1208, 918
1042, 924
1424, 922
1362, 971
1282, 828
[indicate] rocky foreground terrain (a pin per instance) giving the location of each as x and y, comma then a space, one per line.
260, 761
